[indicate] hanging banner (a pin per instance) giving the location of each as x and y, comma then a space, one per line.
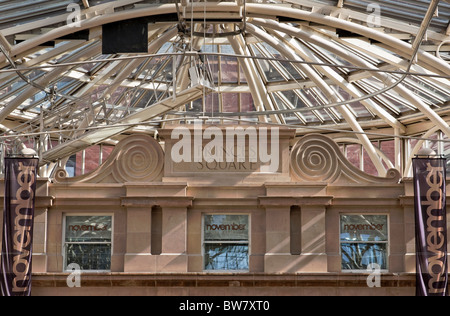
18, 217
431, 226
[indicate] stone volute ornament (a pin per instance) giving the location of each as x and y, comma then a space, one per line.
317, 158
135, 159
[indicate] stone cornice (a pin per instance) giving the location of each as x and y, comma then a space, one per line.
250, 280
282, 201
163, 201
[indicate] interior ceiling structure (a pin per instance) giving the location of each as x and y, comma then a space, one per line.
378, 66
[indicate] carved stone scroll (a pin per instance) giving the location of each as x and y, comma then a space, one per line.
137, 158
317, 158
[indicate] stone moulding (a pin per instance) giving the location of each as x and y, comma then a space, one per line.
317, 158
223, 280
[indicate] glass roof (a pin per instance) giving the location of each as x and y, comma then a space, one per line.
313, 65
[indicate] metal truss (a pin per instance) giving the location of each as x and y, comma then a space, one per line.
281, 62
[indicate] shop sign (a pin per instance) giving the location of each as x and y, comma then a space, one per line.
88, 228
364, 227
225, 227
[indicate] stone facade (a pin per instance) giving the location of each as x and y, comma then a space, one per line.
157, 206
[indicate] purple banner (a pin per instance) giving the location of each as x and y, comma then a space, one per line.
431, 226
18, 217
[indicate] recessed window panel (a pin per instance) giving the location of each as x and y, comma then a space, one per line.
363, 241
226, 242
88, 242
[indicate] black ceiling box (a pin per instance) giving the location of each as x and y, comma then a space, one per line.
345, 33
81, 35
129, 36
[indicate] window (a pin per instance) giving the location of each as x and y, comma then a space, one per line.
363, 241
226, 242
88, 242
71, 166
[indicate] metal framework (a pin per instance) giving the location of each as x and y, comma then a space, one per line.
358, 72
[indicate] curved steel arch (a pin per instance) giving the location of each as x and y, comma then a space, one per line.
262, 21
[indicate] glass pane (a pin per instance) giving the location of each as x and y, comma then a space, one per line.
88, 228
71, 165
229, 66
226, 257
364, 228
226, 227
89, 256
357, 256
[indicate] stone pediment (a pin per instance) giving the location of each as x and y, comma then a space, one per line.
314, 158
317, 158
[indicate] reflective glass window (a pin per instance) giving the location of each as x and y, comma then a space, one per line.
364, 242
226, 242
88, 242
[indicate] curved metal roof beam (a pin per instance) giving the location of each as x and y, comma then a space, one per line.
183, 80
126, 69
415, 150
330, 94
265, 9
47, 79
404, 92
88, 24
254, 80
271, 10
405, 49
341, 82
163, 9
367, 16
388, 57
351, 140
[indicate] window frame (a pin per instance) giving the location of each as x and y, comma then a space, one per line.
236, 242
65, 243
387, 242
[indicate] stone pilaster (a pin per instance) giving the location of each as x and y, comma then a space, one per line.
313, 257
138, 256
